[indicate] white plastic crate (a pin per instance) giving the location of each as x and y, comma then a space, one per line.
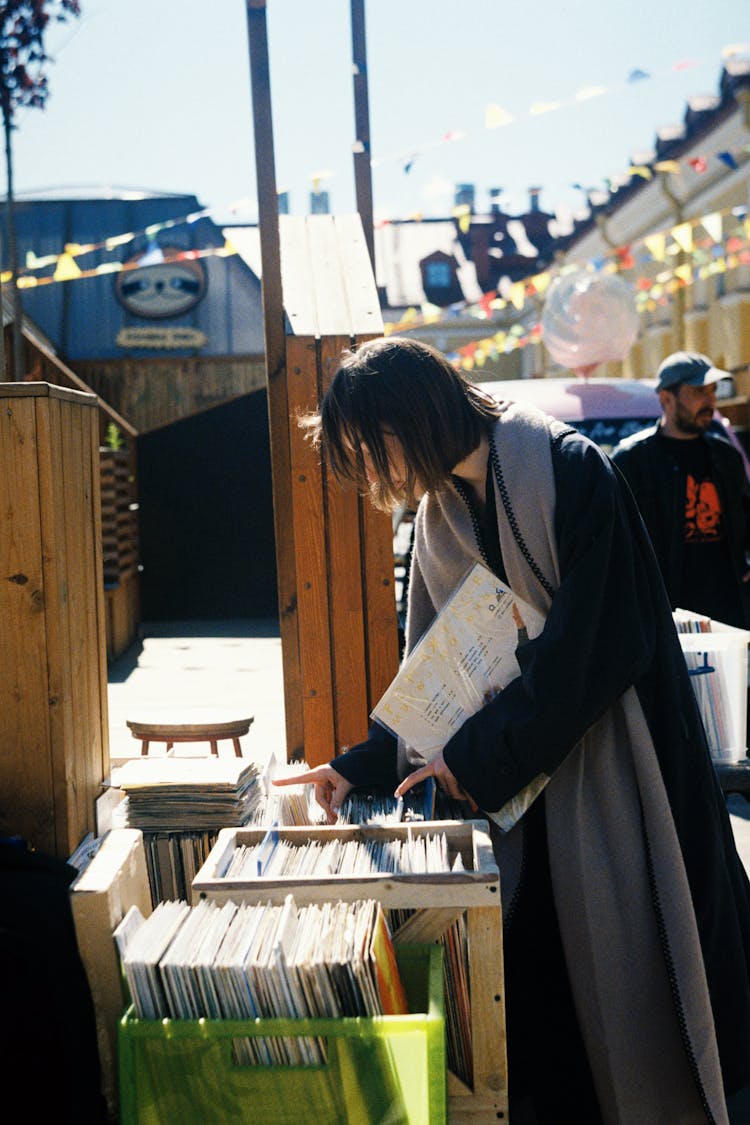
718, 666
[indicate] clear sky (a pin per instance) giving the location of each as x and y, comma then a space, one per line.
155, 94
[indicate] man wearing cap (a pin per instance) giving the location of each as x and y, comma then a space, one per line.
692, 491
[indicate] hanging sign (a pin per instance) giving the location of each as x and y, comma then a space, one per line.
179, 336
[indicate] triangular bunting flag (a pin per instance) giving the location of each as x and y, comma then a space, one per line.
683, 236
495, 116
668, 166
728, 159
67, 269
518, 295
712, 225
656, 246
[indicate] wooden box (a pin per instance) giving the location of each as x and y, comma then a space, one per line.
54, 748
114, 880
438, 901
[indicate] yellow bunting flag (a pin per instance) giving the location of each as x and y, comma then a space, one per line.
518, 295
668, 166
683, 236
656, 245
712, 225
684, 272
67, 269
541, 281
642, 170
587, 92
34, 263
543, 107
495, 116
118, 240
226, 250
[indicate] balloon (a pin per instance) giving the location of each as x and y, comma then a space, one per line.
589, 318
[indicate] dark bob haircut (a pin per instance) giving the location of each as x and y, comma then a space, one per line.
405, 388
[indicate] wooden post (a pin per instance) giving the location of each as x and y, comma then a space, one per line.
362, 153
339, 628
278, 403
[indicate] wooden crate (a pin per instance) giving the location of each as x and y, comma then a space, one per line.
438, 901
54, 749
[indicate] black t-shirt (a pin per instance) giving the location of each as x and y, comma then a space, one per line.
708, 583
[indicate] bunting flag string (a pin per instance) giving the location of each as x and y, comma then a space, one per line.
74, 250
67, 269
498, 117
712, 254
650, 293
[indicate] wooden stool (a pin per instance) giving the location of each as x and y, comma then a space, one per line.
190, 732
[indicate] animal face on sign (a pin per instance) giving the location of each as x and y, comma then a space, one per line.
167, 289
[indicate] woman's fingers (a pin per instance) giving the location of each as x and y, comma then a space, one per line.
330, 788
413, 779
309, 777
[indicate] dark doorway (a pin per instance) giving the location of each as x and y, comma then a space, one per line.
206, 515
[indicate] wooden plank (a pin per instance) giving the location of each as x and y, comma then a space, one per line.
100, 758
365, 316
71, 761
316, 673
297, 277
52, 475
332, 306
27, 807
346, 608
44, 390
487, 979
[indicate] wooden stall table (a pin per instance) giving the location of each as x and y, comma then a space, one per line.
172, 733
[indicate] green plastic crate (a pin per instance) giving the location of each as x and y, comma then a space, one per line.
386, 1069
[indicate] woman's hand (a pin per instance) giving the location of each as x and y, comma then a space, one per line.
330, 788
444, 780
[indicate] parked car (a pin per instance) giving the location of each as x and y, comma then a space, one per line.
605, 410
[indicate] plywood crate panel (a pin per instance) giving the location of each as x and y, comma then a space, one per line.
54, 750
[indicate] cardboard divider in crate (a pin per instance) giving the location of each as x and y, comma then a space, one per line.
435, 902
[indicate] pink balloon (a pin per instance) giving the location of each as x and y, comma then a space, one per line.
588, 319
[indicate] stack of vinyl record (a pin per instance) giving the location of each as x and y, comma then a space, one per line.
190, 794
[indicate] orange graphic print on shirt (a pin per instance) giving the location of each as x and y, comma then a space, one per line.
702, 512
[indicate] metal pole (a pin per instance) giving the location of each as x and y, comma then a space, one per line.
362, 155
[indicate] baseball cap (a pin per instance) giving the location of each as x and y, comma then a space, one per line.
688, 367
